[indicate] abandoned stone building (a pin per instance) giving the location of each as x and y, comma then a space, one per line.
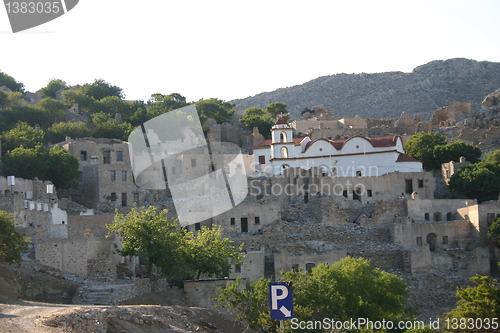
73, 242
106, 173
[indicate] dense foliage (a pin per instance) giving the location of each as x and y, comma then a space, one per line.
350, 288
264, 119
277, 109
55, 164
10, 82
481, 301
178, 253
216, 109
494, 231
432, 150
12, 243
479, 180
52, 88
27, 131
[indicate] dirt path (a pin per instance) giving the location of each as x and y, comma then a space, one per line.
24, 317
33, 317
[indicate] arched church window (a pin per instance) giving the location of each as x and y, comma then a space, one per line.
283, 137
284, 152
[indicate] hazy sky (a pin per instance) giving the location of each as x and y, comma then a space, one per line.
238, 48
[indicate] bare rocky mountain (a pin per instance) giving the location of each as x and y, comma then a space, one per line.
425, 89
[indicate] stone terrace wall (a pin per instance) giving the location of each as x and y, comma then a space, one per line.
84, 225
201, 292
66, 255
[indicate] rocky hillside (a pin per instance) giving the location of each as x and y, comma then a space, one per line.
421, 92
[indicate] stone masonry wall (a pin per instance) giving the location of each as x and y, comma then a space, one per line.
67, 255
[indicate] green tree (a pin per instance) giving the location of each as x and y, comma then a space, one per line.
493, 157
138, 113
15, 98
58, 132
12, 243
10, 82
56, 165
214, 108
350, 288
22, 135
421, 146
26, 163
480, 181
454, 150
160, 104
3, 99
250, 304
480, 301
56, 109
72, 97
50, 90
179, 254
113, 130
494, 231
61, 168
276, 109
150, 234
254, 111
11, 99
257, 117
100, 89
111, 105
210, 254
100, 117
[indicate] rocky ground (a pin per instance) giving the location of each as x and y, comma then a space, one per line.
50, 315
32, 317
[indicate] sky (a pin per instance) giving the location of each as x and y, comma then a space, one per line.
239, 48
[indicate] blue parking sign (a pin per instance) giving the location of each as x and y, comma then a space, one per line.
280, 300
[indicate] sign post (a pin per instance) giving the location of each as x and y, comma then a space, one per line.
281, 301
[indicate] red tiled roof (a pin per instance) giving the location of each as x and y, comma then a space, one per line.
406, 158
281, 121
377, 141
263, 144
338, 143
383, 141
267, 143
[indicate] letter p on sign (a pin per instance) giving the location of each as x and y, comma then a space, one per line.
278, 292
280, 300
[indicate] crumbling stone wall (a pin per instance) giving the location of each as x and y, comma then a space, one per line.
296, 183
285, 261
448, 115
86, 225
202, 292
452, 262
448, 234
71, 255
101, 269
255, 212
68, 256
452, 167
438, 210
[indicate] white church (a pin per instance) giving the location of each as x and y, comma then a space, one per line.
354, 157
